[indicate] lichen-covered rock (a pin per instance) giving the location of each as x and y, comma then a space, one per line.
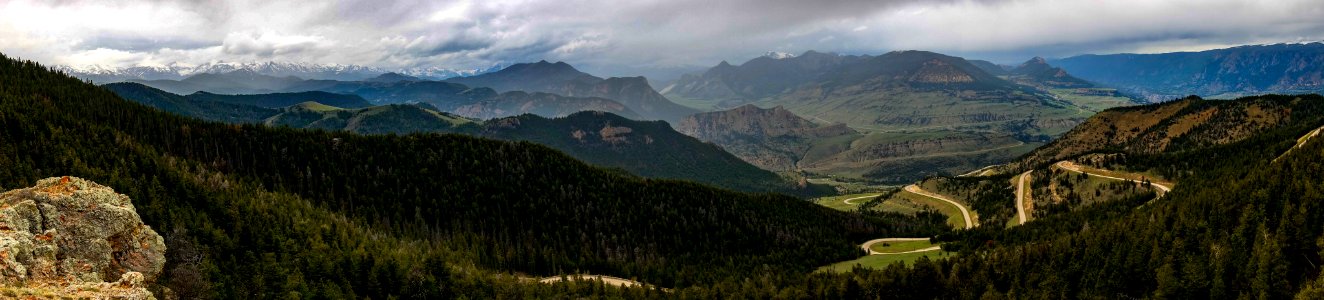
74, 232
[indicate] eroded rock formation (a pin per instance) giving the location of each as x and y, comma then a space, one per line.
68, 236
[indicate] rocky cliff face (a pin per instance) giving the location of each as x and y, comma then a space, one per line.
773, 139
68, 236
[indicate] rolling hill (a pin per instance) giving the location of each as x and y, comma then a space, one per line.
1190, 123
643, 148
542, 104
277, 100
646, 148
393, 118
181, 105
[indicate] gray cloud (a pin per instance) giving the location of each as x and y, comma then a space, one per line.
627, 37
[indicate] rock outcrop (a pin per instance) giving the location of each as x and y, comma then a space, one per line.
773, 139
69, 236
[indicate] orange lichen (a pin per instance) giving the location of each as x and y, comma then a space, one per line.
62, 188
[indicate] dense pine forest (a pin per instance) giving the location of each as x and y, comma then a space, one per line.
645, 148
253, 210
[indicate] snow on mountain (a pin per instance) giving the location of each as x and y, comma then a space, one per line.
778, 55
104, 74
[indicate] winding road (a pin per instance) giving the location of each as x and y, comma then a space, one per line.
847, 201
1069, 166
979, 172
616, 281
868, 246
1300, 141
915, 189
965, 213
1020, 196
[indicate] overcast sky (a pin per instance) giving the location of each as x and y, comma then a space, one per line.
627, 37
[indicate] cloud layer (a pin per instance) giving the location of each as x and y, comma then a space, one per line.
625, 37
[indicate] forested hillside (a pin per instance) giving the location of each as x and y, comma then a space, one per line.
1185, 124
645, 148
253, 211
1238, 225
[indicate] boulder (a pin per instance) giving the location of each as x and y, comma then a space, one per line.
67, 231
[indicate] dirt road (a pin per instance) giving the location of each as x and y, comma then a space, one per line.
1300, 141
867, 246
1069, 166
847, 201
617, 281
965, 213
1020, 196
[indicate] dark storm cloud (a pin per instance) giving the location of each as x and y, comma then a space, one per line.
134, 42
624, 37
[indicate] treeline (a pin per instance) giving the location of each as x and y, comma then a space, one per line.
278, 212
647, 148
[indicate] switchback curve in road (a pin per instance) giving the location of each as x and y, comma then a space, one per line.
867, 245
1069, 166
847, 201
965, 213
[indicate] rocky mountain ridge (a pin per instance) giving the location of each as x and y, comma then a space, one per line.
773, 139
563, 79
1219, 73
108, 74
1037, 71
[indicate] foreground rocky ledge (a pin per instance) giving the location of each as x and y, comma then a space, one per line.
71, 238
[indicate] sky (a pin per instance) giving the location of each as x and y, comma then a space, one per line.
626, 37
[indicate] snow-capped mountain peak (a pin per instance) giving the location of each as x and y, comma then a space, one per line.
178, 71
778, 55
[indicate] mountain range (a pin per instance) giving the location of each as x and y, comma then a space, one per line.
1218, 73
646, 148
912, 113
542, 88
342, 215
276, 194
562, 79
106, 74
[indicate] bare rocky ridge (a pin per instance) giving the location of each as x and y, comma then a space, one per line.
1037, 71
67, 236
773, 139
